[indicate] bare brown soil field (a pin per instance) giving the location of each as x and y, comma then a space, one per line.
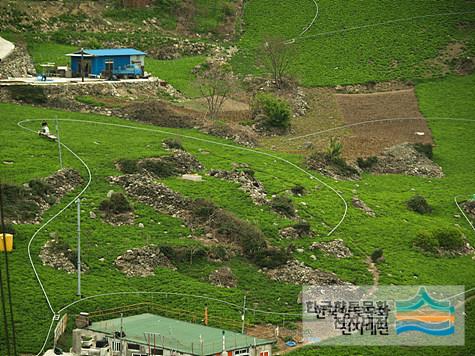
370, 139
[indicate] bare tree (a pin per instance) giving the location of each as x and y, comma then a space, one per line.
216, 84
275, 57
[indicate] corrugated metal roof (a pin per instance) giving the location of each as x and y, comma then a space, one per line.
113, 52
177, 335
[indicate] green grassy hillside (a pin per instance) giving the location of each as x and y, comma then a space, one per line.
339, 49
393, 229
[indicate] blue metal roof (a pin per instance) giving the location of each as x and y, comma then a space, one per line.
114, 52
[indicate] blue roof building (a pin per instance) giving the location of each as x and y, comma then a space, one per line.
103, 62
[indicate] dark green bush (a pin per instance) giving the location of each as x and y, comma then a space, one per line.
298, 189
335, 149
40, 188
159, 167
419, 204
116, 204
303, 228
31, 94
425, 148
276, 111
376, 255
203, 209
9, 229
426, 242
449, 239
128, 166
283, 205
271, 257
367, 163
173, 144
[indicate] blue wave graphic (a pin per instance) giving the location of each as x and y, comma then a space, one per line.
422, 324
423, 298
439, 332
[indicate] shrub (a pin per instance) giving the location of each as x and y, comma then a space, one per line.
425, 149
367, 163
303, 228
173, 144
419, 204
160, 168
449, 239
283, 205
116, 204
335, 148
30, 94
128, 166
203, 209
276, 112
39, 187
298, 190
426, 242
376, 255
9, 229
271, 257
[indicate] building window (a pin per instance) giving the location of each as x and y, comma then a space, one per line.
157, 352
133, 346
241, 352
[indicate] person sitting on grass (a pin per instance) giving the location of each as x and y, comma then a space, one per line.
44, 131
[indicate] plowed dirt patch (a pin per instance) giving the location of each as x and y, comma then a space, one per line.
372, 138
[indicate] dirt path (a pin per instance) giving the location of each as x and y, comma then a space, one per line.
373, 269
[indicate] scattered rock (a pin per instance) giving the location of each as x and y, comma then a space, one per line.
469, 208
358, 203
141, 226
192, 177
295, 272
405, 159
142, 262
57, 254
245, 178
92, 215
336, 248
223, 277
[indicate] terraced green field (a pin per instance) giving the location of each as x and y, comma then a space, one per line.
393, 229
355, 41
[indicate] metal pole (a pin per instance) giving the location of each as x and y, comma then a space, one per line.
82, 64
121, 333
79, 247
59, 145
243, 315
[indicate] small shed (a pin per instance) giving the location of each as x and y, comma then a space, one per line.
103, 62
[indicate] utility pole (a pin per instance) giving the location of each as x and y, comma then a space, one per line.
82, 65
243, 315
59, 145
79, 247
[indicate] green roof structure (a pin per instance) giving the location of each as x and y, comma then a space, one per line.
176, 335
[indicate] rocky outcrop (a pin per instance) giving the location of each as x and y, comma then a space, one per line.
469, 208
142, 262
223, 277
17, 64
247, 182
57, 254
295, 272
405, 159
359, 204
144, 189
335, 248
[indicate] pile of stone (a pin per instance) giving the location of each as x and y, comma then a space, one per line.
469, 208
405, 159
58, 255
17, 64
296, 272
223, 277
335, 248
248, 183
359, 204
142, 262
64, 181
157, 195
299, 104
185, 162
